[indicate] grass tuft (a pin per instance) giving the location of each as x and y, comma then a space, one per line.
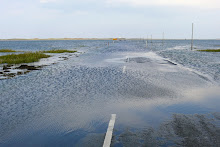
59, 51
28, 57
82, 46
7, 50
210, 50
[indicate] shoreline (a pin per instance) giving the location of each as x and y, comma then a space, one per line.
52, 39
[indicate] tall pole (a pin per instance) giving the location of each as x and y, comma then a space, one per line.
163, 38
151, 39
192, 37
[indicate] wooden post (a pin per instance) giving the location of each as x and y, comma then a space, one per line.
192, 37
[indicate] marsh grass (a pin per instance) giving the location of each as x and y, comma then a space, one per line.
7, 50
59, 51
28, 57
210, 50
82, 46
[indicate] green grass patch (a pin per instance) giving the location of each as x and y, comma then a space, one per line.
82, 46
7, 50
210, 50
59, 51
28, 57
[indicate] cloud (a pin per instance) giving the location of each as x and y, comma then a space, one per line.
81, 12
185, 3
44, 1
47, 1
189, 3
70, 1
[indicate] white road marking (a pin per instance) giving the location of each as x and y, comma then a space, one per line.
127, 58
124, 68
108, 136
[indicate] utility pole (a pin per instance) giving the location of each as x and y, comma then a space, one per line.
146, 41
192, 37
151, 39
163, 38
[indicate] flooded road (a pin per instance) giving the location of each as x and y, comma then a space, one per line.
159, 99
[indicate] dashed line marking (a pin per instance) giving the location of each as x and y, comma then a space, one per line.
108, 136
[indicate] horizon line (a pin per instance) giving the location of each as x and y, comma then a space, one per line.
110, 38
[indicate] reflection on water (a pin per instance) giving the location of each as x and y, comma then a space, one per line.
181, 130
69, 104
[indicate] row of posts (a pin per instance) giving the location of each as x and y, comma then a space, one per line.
152, 40
163, 39
192, 39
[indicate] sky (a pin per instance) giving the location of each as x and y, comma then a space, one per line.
109, 18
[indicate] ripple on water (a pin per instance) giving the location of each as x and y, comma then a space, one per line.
70, 103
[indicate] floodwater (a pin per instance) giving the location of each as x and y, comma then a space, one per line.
163, 95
